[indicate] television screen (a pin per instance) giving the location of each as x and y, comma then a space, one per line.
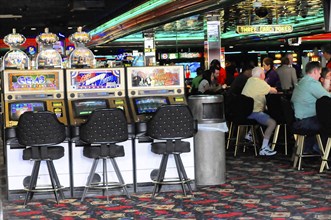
33, 81
18, 108
148, 105
192, 67
94, 79
83, 108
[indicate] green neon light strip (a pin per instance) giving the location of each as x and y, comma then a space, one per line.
137, 37
152, 4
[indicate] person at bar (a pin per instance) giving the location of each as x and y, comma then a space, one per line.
240, 81
295, 66
222, 73
304, 98
325, 78
271, 76
196, 81
257, 89
287, 75
327, 55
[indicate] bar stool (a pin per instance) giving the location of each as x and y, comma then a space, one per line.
323, 106
101, 132
299, 135
171, 123
39, 132
238, 108
274, 110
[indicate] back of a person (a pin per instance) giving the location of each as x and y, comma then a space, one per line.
195, 84
308, 90
257, 89
287, 77
303, 98
238, 84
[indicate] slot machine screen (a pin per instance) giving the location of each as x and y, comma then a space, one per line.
149, 105
167, 76
33, 81
94, 79
83, 108
18, 108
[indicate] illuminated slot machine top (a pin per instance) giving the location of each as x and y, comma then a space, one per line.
15, 58
48, 57
81, 56
90, 89
33, 90
151, 87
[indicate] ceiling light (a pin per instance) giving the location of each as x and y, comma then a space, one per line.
33, 29
11, 16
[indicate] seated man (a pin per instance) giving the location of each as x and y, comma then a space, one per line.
325, 78
304, 98
257, 88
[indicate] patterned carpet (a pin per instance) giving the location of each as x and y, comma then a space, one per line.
256, 188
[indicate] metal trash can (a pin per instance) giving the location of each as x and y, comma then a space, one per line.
209, 142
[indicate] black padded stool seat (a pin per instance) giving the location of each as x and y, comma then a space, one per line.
39, 132
106, 151
102, 130
45, 153
171, 123
171, 147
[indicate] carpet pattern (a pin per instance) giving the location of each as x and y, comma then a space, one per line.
255, 188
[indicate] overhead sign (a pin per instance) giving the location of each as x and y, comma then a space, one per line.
264, 29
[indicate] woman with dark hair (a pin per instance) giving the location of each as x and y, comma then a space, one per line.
271, 76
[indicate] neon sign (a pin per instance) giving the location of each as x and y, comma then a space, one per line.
264, 29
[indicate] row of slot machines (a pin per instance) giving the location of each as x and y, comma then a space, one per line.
72, 94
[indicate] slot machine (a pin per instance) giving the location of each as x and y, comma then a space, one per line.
31, 90
149, 88
87, 90
27, 89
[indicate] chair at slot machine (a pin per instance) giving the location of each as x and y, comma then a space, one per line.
101, 132
40, 132
171, 124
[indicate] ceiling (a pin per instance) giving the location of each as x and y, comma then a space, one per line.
177, 18
58, 15
306, 16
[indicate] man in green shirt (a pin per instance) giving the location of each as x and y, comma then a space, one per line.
196, 81
304, 97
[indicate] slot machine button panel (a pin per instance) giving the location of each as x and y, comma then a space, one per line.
72, 95
10, 97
